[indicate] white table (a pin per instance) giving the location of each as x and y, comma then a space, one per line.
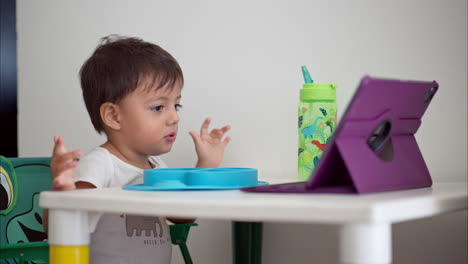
365, 220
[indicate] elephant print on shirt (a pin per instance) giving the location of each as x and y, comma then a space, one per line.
143, 223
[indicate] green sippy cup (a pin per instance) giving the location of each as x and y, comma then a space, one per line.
317, 121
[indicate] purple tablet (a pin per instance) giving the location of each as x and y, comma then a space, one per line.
373, 148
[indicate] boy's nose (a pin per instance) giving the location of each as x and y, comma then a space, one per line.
173, 117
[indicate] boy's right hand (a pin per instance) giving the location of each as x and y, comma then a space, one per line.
62, 166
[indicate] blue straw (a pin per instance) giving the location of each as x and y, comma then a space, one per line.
305, 73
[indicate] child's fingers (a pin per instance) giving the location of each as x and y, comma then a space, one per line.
195, 137
225, 129
59, 147
60, 163
70, 165
219, 133
62, 183
66, 157
227, 140
57, 183
216, 133
204, 127
63, 167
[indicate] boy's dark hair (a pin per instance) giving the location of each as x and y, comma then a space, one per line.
118, 66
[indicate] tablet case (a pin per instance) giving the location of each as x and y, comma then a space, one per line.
374, 148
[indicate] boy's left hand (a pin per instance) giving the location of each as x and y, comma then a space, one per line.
210, 146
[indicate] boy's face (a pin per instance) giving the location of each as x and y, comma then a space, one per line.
149, 119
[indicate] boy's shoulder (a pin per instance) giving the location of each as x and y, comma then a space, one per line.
98, 154
97, 159
95, 167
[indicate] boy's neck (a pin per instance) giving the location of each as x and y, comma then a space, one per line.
127, 156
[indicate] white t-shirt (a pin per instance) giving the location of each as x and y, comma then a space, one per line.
120, 238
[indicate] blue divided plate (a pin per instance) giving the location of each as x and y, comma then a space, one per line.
168, 179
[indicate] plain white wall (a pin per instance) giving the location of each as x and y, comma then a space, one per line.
241, 61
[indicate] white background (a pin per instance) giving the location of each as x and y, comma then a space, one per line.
241, 61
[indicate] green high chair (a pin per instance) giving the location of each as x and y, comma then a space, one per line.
22, 237
21, 233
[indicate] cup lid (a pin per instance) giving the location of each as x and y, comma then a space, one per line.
318, 91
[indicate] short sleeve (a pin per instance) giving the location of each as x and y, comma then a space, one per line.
96, 168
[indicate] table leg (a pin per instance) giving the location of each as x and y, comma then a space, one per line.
366, 243
68, 237
247, 242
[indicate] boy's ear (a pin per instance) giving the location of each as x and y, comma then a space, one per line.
110, 115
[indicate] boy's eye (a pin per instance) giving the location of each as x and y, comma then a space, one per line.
178, 107
157, 108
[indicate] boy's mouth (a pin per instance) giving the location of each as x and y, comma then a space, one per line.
171, 137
